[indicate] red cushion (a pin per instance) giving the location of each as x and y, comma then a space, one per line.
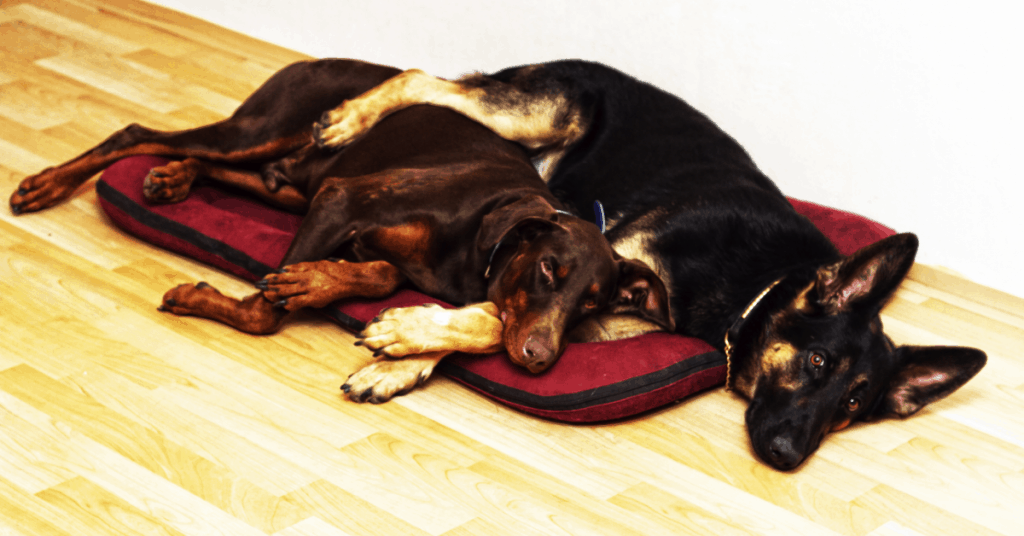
591, 382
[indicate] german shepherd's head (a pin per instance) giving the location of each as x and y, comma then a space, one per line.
811, 356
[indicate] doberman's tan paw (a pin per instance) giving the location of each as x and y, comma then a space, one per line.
403, 331
383, 380
170, 183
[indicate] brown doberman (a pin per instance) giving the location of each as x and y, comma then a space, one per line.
427, 197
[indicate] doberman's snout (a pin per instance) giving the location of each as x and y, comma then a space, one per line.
539, 356
782, 454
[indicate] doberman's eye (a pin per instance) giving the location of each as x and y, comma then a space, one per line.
817, 360
548, 271
853, 404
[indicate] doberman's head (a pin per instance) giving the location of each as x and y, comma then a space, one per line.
811, 356
550, 270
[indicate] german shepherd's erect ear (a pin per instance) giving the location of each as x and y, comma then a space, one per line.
865, 280
926, 374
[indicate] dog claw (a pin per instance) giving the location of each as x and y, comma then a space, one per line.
161, 308
22, 191
16, 209
202, 285
281, 303
359, 342
170, 302
262, 284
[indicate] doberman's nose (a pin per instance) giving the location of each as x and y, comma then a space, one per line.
782, 454
538, 355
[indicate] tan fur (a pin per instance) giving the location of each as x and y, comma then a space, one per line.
546, 123
611, 328
390, 377
637, 243
408, 331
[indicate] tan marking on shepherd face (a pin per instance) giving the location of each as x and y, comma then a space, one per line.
801, 303
777, 362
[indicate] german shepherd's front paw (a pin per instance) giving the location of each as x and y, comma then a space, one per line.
343, 125
383, 380
402, 331
170, 183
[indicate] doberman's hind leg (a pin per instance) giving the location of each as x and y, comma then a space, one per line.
543, 120
379, 382
218, 142
171, 183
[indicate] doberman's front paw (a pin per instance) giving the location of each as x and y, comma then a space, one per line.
43, 190
306, 284
383, 380
170, 183
188, 299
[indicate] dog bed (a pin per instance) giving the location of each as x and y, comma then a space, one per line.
591, 382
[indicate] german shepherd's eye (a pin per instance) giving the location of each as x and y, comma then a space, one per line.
853, 404
817, 360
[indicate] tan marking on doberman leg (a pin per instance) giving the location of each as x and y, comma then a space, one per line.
379, 382
537, 121
403, 331
409, 240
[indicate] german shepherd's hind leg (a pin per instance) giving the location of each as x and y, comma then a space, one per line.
542, 120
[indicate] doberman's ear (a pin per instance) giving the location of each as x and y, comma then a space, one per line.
530, 209
641, 293
866, 279
925, 374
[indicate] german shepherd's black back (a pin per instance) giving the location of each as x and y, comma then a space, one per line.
805, 344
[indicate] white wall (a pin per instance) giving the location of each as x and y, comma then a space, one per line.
908, 112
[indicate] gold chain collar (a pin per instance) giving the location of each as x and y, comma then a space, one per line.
746, 313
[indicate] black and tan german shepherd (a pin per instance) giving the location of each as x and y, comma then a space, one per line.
798, 322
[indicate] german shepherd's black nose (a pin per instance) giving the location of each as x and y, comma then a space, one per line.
782, 455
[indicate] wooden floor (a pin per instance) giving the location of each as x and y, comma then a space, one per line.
118, 419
